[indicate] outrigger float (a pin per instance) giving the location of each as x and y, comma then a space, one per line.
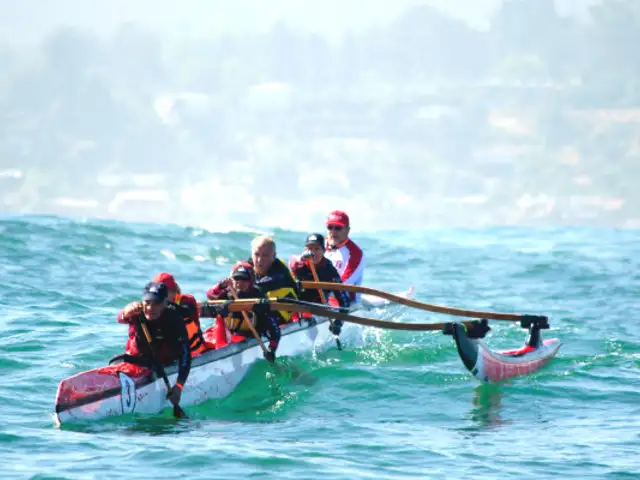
127, 388
492, 366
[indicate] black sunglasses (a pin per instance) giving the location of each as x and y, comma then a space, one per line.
334, 227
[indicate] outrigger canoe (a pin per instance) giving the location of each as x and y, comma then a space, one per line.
126, 388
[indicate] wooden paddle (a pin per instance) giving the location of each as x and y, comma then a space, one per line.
312, 267
459, 312
178, 412
248, 320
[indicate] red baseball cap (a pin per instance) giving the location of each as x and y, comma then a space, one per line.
338, 217
167, 279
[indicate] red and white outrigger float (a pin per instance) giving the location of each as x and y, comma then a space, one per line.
126, 388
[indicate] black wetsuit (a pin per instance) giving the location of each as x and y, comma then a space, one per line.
278, 283
169, 338
326, 273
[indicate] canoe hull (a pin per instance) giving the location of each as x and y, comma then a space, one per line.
125, 388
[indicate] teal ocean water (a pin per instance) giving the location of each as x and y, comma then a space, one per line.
399, 406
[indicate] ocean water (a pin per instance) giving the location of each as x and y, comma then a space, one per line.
399, 405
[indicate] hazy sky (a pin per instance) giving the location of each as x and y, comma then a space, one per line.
29, 20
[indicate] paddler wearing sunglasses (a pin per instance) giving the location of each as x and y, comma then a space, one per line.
346, 256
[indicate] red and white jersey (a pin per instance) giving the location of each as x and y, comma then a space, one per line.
349, 260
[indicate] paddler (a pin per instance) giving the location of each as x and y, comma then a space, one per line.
272, 275
345, 255
263, 319
168, 334
301, 265
190, 311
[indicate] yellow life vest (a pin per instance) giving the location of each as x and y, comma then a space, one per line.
287, 290
238, 325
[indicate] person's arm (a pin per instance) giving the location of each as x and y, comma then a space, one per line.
189, 307
211, 310
272, 331
266, 324
269, 325
129, 313
267, 321
295, 264
293, 283
219, 291
341, 295
181, 339
354, 271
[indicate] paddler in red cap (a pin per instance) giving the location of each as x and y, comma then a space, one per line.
345, 255
168, 334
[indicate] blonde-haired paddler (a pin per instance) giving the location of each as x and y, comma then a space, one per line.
273, 276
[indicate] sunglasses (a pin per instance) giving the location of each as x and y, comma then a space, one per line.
334, 227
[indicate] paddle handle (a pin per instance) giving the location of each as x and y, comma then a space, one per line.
459, 312
314, 272
248, 321
312, 267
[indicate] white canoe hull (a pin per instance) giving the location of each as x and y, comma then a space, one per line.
214, 374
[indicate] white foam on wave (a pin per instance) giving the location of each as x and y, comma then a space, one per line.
168, 254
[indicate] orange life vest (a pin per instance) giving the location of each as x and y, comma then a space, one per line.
192, 322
